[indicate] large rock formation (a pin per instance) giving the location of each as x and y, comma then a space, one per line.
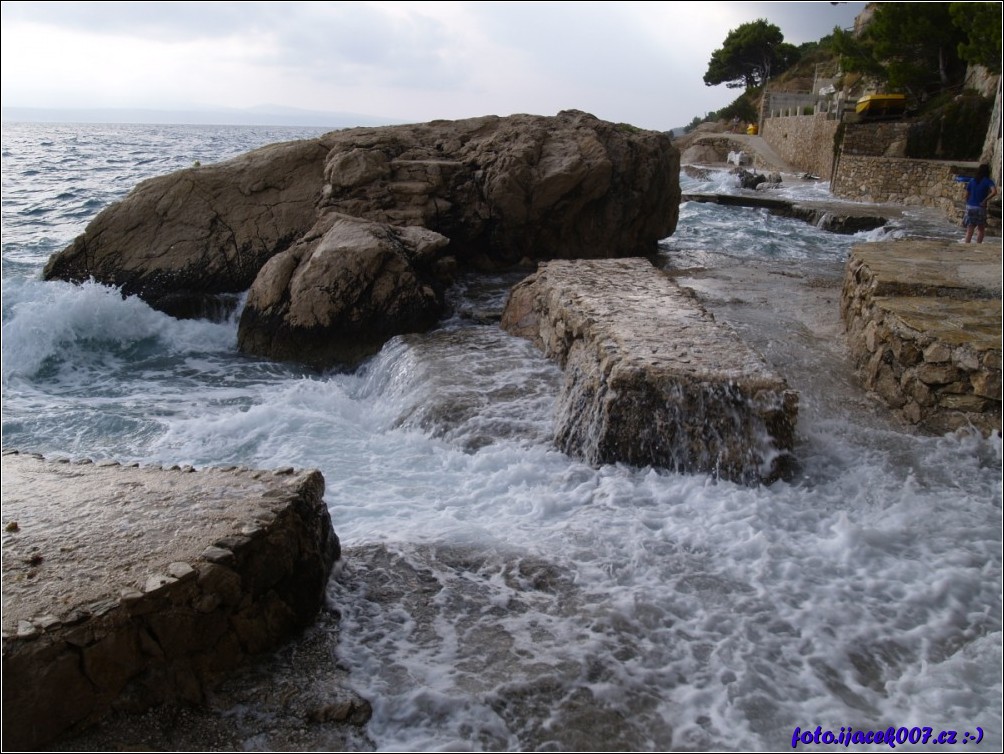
650, 377
125, 587
176, 239
483, 193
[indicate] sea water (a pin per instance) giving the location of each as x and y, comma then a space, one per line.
496, 594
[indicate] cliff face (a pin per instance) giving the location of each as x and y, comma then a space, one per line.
482, 193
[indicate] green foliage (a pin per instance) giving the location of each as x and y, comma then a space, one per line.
981, 25
750, 54
742, 107
698, 120
856, 54
918, 44
954, 131
922, 48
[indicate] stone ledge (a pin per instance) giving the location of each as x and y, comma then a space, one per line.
830, 216
650, 377
923, 321
125, 587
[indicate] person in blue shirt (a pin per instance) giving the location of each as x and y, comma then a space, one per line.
979, 191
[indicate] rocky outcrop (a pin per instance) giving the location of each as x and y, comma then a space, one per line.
178, 240
343, 290
923, 322
125, 587
500, 190
650, 377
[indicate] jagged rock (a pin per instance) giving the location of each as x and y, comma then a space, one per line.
126, 609
701, 174
502, 190
338, 294
749, 180
650, 377
702, 154
183, 238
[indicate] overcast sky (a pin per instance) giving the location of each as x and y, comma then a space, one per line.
633, 62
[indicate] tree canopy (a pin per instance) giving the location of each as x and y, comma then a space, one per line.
981, 25
750, 53
923, 47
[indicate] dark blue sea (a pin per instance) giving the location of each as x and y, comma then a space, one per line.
568, 606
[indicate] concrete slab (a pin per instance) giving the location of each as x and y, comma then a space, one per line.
126, 586
650, 377
923, 320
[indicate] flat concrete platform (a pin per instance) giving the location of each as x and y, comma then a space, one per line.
947, 269
923, 320
836, 217
127, 586
650, 377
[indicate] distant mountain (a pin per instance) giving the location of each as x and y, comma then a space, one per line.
262, 115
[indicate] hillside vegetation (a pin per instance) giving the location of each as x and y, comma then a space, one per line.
922, 50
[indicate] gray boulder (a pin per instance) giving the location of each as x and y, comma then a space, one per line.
501, 191
343, 290
180, 239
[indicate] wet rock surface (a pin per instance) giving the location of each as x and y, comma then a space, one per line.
650, 377
126, 587
295, 699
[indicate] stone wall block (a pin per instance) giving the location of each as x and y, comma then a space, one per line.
906, 352
966, 358
912, 412
937, 374
221, 582
937, 353
917, 390
650, 377
987, 384
886, 384
940, 371
956, 402
111, 661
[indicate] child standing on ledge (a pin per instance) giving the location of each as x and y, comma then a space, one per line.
979, 191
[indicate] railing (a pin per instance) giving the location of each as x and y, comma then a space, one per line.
786, 104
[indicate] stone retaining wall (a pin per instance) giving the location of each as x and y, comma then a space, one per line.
650, 377
805, 141
913, 183
878, 139
125, 587
923, 321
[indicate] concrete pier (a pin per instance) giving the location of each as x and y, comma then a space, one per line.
650, 377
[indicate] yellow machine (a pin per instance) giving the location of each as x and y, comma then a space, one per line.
881, 106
